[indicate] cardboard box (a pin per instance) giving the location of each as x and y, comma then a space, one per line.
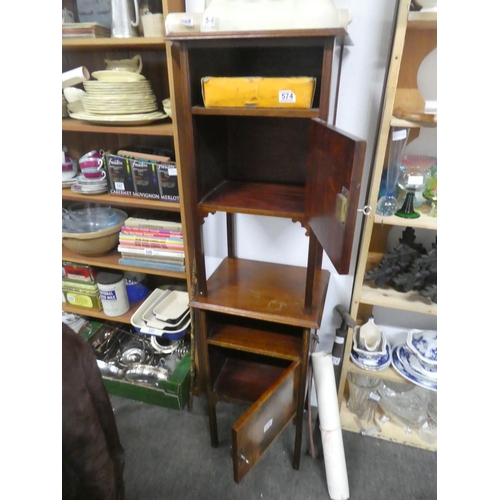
78, 272
141, 178
118, 175
258, 92
172, 393
167, 181
144, 178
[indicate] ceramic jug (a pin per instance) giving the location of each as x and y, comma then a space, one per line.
134, 65
122, 25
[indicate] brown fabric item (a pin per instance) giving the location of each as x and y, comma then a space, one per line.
92, 456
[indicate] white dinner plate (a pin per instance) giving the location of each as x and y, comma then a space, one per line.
129, 119
117, 76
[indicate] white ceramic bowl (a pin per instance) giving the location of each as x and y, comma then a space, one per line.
72, 94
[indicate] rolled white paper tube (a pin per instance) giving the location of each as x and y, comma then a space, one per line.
335, 466
329, 423
326, 390
75, 76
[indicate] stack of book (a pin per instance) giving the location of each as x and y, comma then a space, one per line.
156, 244
85, 30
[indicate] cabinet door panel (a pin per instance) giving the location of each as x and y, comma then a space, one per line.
334, 166
263, 422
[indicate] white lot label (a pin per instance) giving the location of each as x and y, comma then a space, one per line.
187, 21
399, 135
335, 361
209, 21
286, 96
266, 427
172, 171
148, 330
119, 186
415, 180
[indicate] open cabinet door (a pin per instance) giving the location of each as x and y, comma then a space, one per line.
264, 421
333, 181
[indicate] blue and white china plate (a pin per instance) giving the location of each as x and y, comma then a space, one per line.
401, 369
377, 364
415, 365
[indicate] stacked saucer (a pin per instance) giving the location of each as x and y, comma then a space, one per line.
85, 185
416, 359
374, 355
69, 171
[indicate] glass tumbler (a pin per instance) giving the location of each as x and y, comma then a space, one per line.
360, 388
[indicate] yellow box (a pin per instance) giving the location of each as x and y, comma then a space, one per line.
258, 92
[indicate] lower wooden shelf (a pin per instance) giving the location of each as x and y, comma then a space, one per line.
389, 374
84, 311
230, 384
110, 260
390, 431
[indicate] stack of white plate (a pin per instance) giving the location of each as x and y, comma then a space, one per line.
89, 186
119, 98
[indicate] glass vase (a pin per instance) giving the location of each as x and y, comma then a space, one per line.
387, 204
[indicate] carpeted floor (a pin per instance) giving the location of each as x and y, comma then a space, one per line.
169, 456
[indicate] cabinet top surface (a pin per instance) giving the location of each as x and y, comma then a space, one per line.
255, 35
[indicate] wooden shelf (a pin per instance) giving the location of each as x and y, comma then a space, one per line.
257, 341
399, 122
264, 291
276, 200
389, 374
423, 222
144, 43
84, 311
121, 201
390, 431
419, 118
268, 112
422, 20
392, 299
110, 261
157, 129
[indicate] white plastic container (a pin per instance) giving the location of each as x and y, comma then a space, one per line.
113, 292
242, 15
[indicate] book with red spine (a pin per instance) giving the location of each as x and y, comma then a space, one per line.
153, 239
152, 232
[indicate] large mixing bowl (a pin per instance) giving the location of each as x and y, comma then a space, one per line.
95, 243
88, 217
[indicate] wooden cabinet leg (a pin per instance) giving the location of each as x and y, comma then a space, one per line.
299, 418
205, 367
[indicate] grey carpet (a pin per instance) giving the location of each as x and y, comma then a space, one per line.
169, 456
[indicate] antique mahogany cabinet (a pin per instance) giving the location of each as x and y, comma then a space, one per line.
254, 319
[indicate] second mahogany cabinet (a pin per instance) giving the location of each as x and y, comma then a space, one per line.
254, 319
